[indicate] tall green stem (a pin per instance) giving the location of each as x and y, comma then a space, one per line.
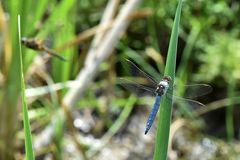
161, 144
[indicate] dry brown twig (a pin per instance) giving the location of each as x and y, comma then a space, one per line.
91, 65
103, 51
85, 35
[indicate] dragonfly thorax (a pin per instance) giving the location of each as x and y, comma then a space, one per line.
162, 87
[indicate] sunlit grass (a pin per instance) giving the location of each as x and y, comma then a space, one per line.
26, 123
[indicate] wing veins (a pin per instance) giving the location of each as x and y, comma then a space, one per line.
133, 86
144, 74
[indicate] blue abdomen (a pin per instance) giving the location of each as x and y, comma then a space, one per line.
153, 113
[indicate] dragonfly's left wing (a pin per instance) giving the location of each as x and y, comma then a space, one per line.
137, 72
136, 88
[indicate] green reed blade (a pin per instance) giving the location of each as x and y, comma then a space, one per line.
161, 143
26, 123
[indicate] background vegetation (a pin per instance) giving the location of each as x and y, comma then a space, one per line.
93, 118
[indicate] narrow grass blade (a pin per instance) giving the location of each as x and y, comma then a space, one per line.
161, 143
26, 124
128, 107
230, 110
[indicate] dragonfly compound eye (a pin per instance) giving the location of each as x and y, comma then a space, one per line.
167, 78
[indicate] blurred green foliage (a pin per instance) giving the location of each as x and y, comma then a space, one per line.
220, 58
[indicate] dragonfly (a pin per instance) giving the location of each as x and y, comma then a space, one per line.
38, 45
152, 87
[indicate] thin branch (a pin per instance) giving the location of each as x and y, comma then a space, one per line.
107, 18
90, 69
105, 49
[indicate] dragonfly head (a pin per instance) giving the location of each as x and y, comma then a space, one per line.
167, 79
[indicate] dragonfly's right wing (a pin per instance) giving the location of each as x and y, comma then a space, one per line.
189, 92
136, 88
185, 101
194, 90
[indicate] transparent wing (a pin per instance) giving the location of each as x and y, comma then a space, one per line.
185, 101
137, 72
136, 88
53, 53
194, 90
